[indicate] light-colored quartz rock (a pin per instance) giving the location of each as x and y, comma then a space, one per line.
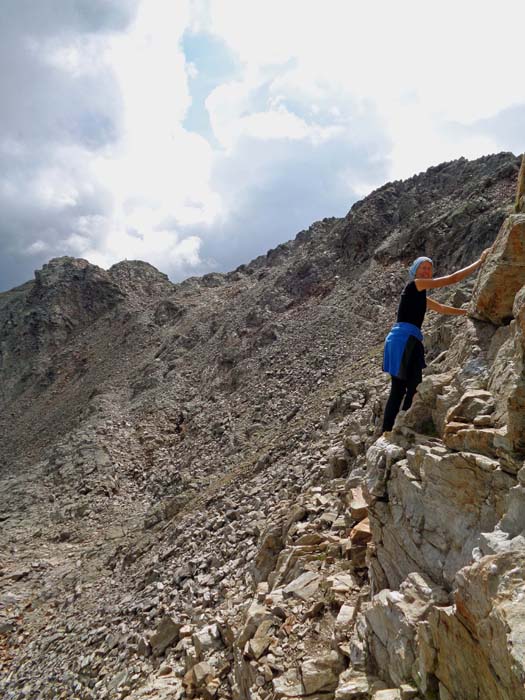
288, 685
345, 617
304, 586
393, 620
380, 457
408, 692
387, 694
321, 674
207, 639
352, 686
440, 503
486, 630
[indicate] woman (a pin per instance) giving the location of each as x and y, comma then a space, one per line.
404, 355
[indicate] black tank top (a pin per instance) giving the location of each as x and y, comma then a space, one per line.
412, 306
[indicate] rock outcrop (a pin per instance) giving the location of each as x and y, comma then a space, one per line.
435, 213
39, 318
445, 500
503, 273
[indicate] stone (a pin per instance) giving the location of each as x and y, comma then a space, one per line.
207, 639
161, 688
268, 551
352, 686
304, 586
288, 685
413, 534
256, 646
483, 421
354, 444
502, 274
387, 694
321, 674
360, 534
201, 672
165, 670
408, 692
434, 396
486, 629
357, 504
167, 633
255, 615
461, 437
6, 625
380, 457
341, 583
516, 389
344, 621
199, 676
143, 647
337, 462
472, 404
393, 619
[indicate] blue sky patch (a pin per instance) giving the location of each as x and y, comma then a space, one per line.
215, 65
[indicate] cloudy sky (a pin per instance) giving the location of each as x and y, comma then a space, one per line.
197, 134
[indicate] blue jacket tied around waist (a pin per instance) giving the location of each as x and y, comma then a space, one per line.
403, 349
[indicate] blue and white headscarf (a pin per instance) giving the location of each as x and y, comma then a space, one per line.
417, 262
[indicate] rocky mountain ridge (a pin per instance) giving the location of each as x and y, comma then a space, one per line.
184, 480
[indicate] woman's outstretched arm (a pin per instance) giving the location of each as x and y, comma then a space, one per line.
444, 309
455, 277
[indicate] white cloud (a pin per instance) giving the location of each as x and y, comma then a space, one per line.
158, 171
69, 188
329, 100
419, 65
78, 55
163, 249
37, 247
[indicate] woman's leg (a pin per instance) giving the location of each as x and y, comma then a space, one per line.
397, 391
414, 379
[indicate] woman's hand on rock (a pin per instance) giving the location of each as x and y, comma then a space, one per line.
484, 254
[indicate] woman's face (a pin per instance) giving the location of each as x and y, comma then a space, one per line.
424, 271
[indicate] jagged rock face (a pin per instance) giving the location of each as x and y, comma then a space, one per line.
436, 213
485, 630
503, 273
454, 508
470, 490
516, 400
140, 279
70, 293
38, 318
395, 616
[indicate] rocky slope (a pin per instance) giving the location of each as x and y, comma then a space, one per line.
184, 477
449, 505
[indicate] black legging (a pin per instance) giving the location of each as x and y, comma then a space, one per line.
399, 389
